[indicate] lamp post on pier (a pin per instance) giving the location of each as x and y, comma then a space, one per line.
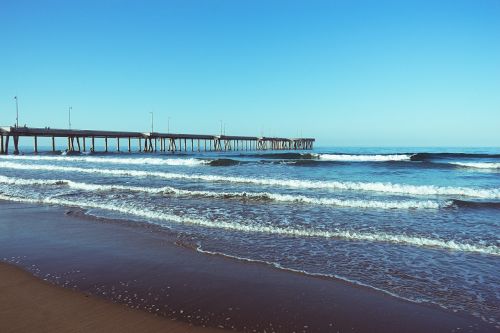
17, 112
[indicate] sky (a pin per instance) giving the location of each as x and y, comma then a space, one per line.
346, 72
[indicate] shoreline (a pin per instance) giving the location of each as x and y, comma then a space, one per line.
115, 259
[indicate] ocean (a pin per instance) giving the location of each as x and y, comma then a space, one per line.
420, 224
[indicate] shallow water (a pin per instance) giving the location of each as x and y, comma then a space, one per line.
419, 224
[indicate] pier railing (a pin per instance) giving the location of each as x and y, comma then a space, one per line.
77, 141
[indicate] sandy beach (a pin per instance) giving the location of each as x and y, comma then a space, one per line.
146, 269
29, 304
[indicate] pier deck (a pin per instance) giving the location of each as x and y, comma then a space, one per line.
149, 141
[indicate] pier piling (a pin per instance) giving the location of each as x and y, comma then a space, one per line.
168, 142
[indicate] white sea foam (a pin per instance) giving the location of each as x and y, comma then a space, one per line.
478, 165
350, 235
111, 160
22, 181
406, 204
364, 158
492, 193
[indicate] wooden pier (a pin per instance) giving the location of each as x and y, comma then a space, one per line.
85, 140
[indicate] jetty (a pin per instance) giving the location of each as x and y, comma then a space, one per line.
85, 140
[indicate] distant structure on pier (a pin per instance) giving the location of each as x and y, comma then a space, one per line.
149, 142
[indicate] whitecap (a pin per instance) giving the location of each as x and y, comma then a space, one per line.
364, 158
286, 198
350, 235
419, 190
112, 160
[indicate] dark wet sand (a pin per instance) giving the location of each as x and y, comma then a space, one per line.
29, 304
143, 268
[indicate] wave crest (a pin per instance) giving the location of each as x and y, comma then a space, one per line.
112, 160
418, 190
364, 158
257, 196
477, 165
350, 235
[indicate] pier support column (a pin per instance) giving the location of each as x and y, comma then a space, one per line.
140, 144
6, 150
35, 139
53, 144
16, 145
118, 144
172, 146
129, 144
106, 144
1, 145
92, 148
78, 143
84, 145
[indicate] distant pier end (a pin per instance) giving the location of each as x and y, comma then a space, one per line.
85, 140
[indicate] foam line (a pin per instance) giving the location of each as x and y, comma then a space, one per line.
111, 160
350, 235
364, 158
419, 190
477, 165
407, 204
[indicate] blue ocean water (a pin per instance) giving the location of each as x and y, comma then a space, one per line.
420, 224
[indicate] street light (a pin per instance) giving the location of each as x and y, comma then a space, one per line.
168, 124
69, 116
17, 112
220, 127
152, 122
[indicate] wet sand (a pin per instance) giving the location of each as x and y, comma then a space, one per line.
142, 267
29, 304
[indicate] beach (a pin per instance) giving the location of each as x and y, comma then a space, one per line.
250, 166
30, 304
125, 266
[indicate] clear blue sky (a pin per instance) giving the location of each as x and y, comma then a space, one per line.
418, 73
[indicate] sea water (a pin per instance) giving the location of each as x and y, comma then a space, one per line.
416, 223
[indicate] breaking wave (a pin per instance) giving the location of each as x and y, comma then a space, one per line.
364, 158
113, 160
419, 190
349, 235
258, 196
477, 165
